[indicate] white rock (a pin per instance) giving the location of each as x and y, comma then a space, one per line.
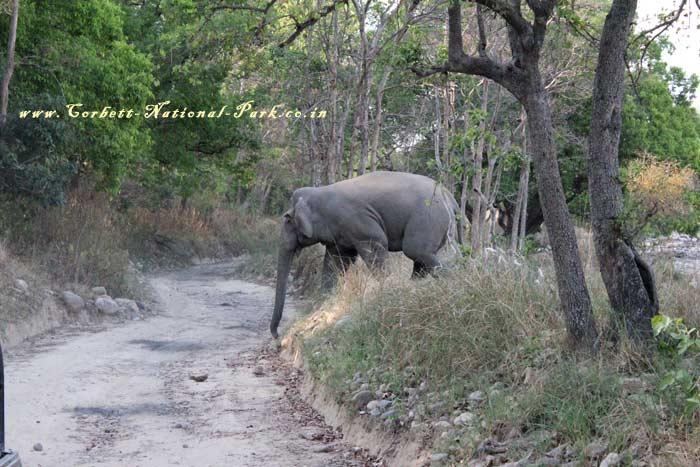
99, 291
73, 301
373, 405
476, 398
611, 460
22, 286
107, 305
127, 304
442, 425
464, 419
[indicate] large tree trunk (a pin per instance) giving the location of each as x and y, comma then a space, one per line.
570, 277
628, 279
10, 65
521, 76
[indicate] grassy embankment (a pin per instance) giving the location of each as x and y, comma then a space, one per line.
486, 339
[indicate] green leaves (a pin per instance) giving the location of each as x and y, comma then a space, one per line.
675, 339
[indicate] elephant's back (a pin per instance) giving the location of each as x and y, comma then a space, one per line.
395, 199
401, 189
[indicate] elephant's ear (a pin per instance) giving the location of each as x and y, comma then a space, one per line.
302, 218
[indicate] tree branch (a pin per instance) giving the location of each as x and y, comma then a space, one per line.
302, 26
508, 12
506, 75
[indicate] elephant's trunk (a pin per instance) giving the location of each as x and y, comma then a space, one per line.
284, 265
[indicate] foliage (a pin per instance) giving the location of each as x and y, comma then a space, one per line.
491, 327
86, 60
676, 340
33, 161
660, 192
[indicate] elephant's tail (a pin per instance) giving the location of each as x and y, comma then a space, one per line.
456, 222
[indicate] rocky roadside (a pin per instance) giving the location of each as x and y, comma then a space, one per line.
31, 306
683, 248
417, 428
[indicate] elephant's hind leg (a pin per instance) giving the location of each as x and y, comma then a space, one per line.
419, 270
423, 238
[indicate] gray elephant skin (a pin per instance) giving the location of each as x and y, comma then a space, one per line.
367, 216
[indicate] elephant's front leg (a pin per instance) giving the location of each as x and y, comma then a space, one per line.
335, 262
373, 253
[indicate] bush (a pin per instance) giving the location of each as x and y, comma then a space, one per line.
661, 196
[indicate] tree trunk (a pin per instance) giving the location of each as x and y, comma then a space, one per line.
526, 195
628, 279
378, 119
10, 66
521, 76
478, 154
520, 217
571, 282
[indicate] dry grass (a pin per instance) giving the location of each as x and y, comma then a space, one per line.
81, 242
92, 239
487, 324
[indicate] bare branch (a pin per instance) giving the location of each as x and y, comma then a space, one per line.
506, 75
313, 19
664, 25
509, 13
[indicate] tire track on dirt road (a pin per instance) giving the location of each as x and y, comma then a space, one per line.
122, 394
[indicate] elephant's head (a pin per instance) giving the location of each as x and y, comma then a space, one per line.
297, 232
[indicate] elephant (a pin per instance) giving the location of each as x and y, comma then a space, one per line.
367, 216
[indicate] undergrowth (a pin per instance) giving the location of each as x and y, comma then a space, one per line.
94, 240
494, 326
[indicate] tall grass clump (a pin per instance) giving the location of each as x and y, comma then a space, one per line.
494, 325
463, 324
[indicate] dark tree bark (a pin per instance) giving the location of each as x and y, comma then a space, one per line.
628, 279
10, 66
521, 76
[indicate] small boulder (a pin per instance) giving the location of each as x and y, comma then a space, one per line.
442, 425
74, 302
38, 447
22, 286
362, 398
464, 419
324, 448
127, 304
439, 457
199, 377
596, 449
372, 406
611, 460
476, 398
311, 435
99, 291
107, 306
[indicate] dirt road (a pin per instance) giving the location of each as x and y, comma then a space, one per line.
123, 395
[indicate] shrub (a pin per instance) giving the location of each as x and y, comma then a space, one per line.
660, 193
